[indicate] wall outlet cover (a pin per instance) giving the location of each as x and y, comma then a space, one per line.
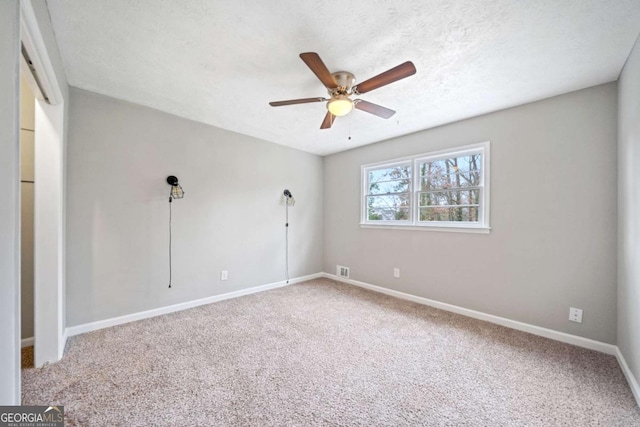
575, 315
224, 275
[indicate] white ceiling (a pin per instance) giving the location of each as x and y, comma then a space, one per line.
220, 62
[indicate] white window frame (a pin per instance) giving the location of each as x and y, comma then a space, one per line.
482, 226
386, 165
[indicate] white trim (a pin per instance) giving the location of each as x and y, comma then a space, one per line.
478, 230
101, 324
63, 343
25, 72
631, 379
513, 324
414, 223
49, 256
49, 232
26, 342
34, 44
364, 182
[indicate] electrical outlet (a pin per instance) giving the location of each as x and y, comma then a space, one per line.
575, 315
224, 275
396, 272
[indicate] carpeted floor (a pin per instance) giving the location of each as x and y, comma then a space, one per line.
322, 353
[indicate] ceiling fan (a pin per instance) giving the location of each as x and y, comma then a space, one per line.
340, 86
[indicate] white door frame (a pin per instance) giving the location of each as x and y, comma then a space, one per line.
49, 200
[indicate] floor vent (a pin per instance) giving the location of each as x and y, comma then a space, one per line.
342, 271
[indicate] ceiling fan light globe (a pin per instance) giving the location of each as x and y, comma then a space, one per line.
340, 105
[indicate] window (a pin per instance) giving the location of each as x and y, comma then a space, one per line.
389, 192
446, 189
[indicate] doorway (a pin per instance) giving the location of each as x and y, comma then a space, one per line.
48, 191
27, 191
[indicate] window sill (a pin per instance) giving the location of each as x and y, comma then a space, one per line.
473, 230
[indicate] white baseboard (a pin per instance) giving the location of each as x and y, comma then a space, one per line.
63, 344
513, 324
101, 324
631, 379
27, 342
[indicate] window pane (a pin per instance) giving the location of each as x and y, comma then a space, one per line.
389, 201
389, 207
401, 214
454, 214
452, 197
392, 173
399, 186
456, 172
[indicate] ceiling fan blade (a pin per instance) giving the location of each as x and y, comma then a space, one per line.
393, 75
328, 120
296, 101
314, 62
375, 109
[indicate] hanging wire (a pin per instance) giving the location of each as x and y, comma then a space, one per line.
176, 193
289, 200
286, 238
170, 199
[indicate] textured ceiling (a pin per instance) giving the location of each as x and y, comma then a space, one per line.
221, 62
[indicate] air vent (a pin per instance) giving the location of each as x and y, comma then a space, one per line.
342, 271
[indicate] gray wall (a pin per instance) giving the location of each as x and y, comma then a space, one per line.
553, 218
629, 211
232, 217
9, 208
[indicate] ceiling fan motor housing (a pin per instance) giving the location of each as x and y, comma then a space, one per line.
345, 81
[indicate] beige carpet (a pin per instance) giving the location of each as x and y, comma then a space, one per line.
321, 353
